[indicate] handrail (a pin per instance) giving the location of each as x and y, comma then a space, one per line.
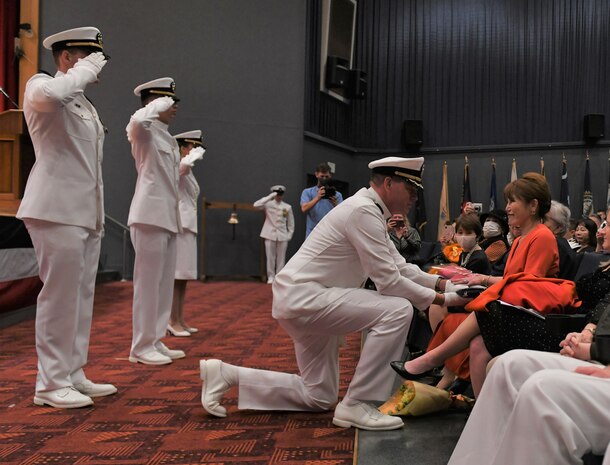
125, 231
117, 222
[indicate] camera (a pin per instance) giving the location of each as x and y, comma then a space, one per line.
329, 189
399, 223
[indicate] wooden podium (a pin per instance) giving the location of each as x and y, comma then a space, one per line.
16, 160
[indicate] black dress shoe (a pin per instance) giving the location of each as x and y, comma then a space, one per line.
399, 367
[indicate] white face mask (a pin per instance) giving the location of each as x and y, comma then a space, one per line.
466, 242
491, 229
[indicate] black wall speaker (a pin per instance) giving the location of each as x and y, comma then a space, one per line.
356, 88
337, 73
594, 126
413, 132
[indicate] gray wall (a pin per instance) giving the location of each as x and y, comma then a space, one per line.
238, 67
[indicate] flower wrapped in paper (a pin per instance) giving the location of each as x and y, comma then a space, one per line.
416, 399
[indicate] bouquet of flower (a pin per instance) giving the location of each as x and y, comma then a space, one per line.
416, 399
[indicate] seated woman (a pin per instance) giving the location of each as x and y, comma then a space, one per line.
594, 292
494, 243
585, 235
558, 221
474, 259
405, 238
528, 199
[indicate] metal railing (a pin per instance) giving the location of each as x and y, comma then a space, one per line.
125, 230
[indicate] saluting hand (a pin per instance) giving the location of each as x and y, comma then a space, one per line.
161, 104
93, 62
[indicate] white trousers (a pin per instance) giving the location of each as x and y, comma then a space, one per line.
153, 285
67, 260
533, 408
316, 339
275, 252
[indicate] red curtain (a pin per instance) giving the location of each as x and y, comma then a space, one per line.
9, 66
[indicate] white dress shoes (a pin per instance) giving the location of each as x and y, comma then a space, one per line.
214, 387
153, 357
192, 330
66, 397
364, 416
91, 389
173, 354
175, 332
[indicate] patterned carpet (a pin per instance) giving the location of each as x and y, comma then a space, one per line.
156, 417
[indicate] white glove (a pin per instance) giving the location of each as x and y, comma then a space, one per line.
450, 287
454, 300
159, 105
93, 62
194, 155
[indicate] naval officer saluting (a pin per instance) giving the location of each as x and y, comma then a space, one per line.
63, 210
277, 229
154, 220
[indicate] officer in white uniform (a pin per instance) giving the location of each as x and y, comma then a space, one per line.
277, 229
538, 407
318, 298
154, 220
191, 149
63, 210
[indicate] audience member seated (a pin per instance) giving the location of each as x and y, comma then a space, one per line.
474, 259
558, 221
541, 408
494, 242
593, 290
405, 238
569, 236
548, 395
528, 199
585, 233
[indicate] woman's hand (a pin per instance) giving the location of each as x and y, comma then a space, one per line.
573, 346
592, 370
471, 279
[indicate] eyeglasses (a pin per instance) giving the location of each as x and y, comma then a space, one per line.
603, 225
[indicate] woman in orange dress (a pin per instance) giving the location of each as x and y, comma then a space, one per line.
533, 252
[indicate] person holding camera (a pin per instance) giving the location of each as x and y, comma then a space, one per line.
277, 229
405, 238
318, 200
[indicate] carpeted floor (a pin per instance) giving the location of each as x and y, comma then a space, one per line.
156, 417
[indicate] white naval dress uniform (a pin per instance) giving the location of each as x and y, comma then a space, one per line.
277, 231
533, 408
186, 262
154, 220
63, 211
317, 298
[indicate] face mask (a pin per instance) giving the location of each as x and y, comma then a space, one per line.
491, 229
466, 242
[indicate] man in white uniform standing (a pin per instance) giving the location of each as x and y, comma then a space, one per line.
63, 210
154, 220
277, 229
318, 298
